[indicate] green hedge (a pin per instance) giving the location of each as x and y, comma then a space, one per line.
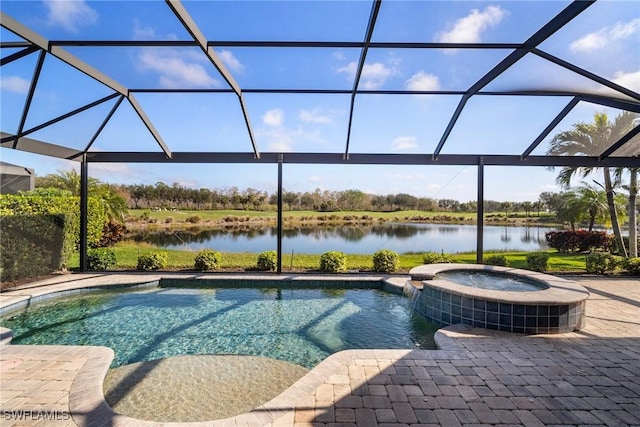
12, 204
39, 248
33, 245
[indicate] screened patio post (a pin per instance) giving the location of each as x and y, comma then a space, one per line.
279, 250
84, 211
480, 210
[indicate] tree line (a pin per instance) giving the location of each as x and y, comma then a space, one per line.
176, 196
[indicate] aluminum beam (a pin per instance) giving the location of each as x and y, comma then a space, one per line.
38, 147
277, 44
551, 126
69, 114
24, 32
566, 15
148, 123
621, 142
480, 213
104, 122
362, 159
84, 213
611, 102
587, 74
17, 55
191, 27
29, 98
375, 8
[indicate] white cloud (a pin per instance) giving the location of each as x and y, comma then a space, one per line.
176, 71
589, 42
148, 33
280, 146
628, 80
70, 15
604, 36
278, 137
403, 143
373, 75
469, 29
413, 176
339, 55
316, 178
231, 61
273, 117
314, 116
14, 84
422, 81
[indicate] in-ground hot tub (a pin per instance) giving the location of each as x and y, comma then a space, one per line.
501, 298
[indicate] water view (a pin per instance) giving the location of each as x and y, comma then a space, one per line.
355, 239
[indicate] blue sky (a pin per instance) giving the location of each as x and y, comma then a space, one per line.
603, 40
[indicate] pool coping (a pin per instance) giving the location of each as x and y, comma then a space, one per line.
87, 403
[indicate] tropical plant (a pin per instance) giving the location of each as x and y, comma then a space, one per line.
593, 139
436, 258
152, 261
385, 261
267, 261
601, 263
115, 205
207, 260
593, 201
333, 262
499, 260
537, 261
101, 259
632, 266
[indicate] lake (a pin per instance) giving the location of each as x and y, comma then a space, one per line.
355, 239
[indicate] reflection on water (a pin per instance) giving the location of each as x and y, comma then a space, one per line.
400, 237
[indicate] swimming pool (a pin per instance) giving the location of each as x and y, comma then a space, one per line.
301, 326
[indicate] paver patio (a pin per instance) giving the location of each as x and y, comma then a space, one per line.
478, 377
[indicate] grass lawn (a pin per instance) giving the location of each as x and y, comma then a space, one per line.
217, 215
127, 256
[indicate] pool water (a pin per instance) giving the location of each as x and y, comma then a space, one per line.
301, 326
491, 280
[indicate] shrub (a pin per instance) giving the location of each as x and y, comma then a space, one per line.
207, 260
600, 263
112, 233
500, 260
27, 204
436, 258
385, 261
152, 261
631, 266
267, 261
194, 219
100, 259
537, 261
577, 241
333, 262
32, 245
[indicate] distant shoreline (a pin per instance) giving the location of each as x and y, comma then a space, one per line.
146, 219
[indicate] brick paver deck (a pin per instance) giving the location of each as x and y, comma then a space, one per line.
478, 377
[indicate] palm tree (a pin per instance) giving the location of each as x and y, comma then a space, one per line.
594, 201
592, 139
115, 204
